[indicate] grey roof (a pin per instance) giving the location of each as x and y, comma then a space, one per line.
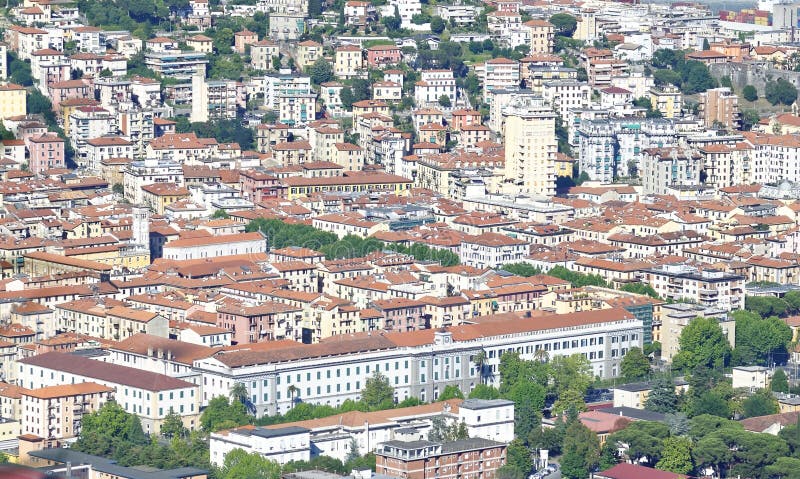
484, 403
315, 474
283, 431
108, 466
635, 387
469, 444
633, 413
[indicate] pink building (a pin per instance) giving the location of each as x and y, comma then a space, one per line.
46, 152
64, 90
382, 55
258, 186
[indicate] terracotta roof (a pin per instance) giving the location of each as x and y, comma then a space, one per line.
106, 372
66, 390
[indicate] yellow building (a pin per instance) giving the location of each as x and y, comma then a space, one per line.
542, 36
531, 147
12, 101
69, 105
83, 229
564, 165
117, 256
160, 195
349, 62
308, 52
667, 100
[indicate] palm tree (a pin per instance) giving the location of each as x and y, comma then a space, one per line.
479, 360
292, 390
239, 392
541, 355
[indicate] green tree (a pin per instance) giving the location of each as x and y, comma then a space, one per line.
479, 361
581, 451
222, 414
785, 468
239, 392
528, 398
450, 392
347, 98
564, 23
780, 91
238, 464
702, 343
750, 93
352, 453
706, 45
708, 402
766, 306
444, 101
483, 391
521, 269
118, 188
640, 288
779, 382
378, 394
758, 341
321, 71
569, 400
643, 439
519, 457
676, 455
220, 215
172, 425
437, 25
761, 403
662, 397
572, 372
635, 366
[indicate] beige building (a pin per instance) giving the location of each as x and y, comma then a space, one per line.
200, 43
751, 377
349, 62
719, 105
55, 412
308, 52
675, 317
667, 100
262, 53
12, 100
542, 34
530, 147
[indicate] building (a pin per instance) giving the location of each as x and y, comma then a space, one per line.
709, 288
286, 26
492, 250
751, 377
675, 317
720, 106
64, 462
349, 62
46, 152
499, 74
151, 396
12, 101
262, 55
665, 170
423, 459
417, 363
542, 36
308, 52
55, 412
207, 246
530, 146
667, 100
434, 84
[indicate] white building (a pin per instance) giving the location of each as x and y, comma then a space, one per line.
433, 85
149, 395
213, 246
492, 250
709, 288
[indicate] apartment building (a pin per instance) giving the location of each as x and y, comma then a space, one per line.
424, 459
492, 250
12, 101
212, 246
419, 363
433, 84
709, 288
665, 170
149, 395
615, 147
675, 317
55, 412
720, 106
499, 73
45, 152
308, 52
262, 54
542, 36
349, 62
530, 146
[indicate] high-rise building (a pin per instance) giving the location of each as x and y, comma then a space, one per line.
719, 106
531, 146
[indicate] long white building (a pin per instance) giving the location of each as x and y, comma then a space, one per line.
418, 364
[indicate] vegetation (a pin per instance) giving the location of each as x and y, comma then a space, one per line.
780, 91
750, 93
673, 68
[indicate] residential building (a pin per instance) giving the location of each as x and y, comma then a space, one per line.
434, 84
12, 101
720, 106
492, 250
664, 170
151, 396
709, 288
424, 459
209, 246
262, 55
530, 146
46, 152
349, 62
56, 412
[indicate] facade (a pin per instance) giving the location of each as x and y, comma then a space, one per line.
212, 246
426, 459
331, 372
720, 106
530, 146
149, 395
709, 288
46, 152
542, 36
12, 101
55, 412
664, 170
433, 85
